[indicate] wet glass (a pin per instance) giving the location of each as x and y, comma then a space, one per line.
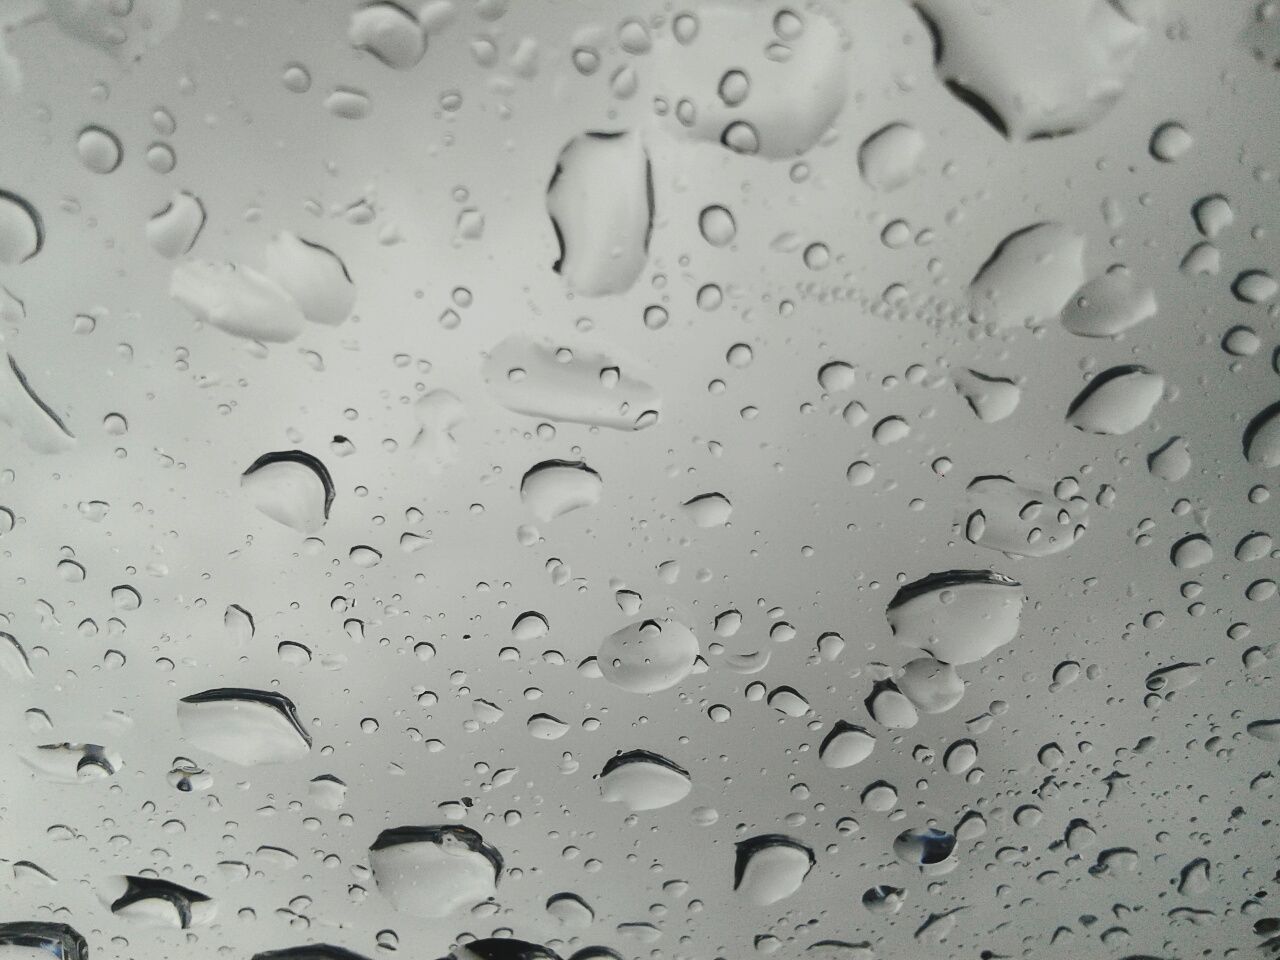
588, 480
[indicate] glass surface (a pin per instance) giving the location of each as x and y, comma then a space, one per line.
530, 478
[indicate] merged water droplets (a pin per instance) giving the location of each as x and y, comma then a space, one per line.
302, 281
734, 81
648, 656
99, 150
1262, 438
846, 745
433, 871
998, 61
1022, 520
959, 616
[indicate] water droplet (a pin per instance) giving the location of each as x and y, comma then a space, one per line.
291, 487
959, 616
555, 487
648, 656
21, 229
1116, 401
99, 150
247, 727
389, 32
770, 868
433, 871
1030, 277
642, 780
600, 201
890, 157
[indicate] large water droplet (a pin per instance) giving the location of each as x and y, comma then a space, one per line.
642, 780
648, 656
555, 487
291, 487
540, 379
1116, 401
770, 868
432, 871
601, 205
389, 32
236, 299
21, 229
1030, 277
247, 727
996, 60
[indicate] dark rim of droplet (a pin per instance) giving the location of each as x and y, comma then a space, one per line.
310, 951
508, 948
555, 465
949, 579
48, 411
642, 756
